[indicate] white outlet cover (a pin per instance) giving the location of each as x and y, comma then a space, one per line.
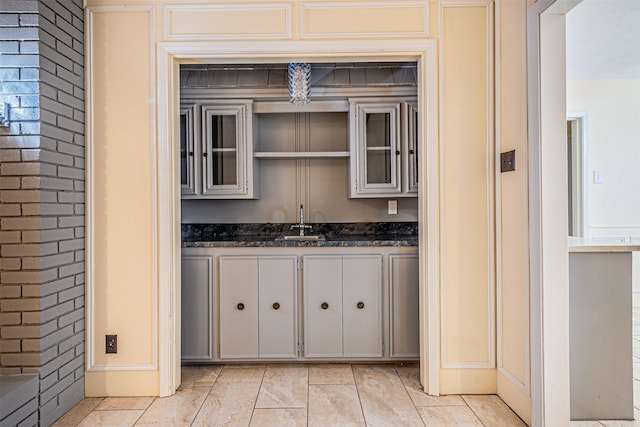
393, 207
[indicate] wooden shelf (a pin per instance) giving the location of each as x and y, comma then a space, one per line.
299, 154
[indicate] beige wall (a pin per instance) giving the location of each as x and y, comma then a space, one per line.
467, 150
612, 110
122, 133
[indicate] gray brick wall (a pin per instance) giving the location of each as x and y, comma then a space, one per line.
42, 199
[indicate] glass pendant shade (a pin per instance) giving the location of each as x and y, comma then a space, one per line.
299, 82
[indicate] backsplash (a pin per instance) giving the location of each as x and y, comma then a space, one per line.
264, 231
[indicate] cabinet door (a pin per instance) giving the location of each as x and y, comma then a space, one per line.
277, 284
188, 151
362, 306
322, 287
226, 150
238, 307
405, 320
197, 308
375, 140
411, 158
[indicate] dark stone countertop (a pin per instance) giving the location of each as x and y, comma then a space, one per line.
370, 234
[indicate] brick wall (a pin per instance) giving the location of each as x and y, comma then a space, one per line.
42, 199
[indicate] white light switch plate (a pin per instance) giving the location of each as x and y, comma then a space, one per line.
393, 207
597, 177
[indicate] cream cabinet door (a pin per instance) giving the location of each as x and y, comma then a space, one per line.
238, 307
277, 284
197, 308
322, 288
361, 309
405, 327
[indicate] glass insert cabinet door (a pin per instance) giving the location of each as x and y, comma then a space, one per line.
377, 144
412, 147
188, 172
223, 156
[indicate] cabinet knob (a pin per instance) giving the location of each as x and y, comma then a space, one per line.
204, 154
410, 151
324, 305
240, 306
276, 306
360, 305
191, 153
397, 153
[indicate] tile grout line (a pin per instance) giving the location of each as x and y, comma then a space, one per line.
205, 398
404, 386
355, 383
474, 412
255, 402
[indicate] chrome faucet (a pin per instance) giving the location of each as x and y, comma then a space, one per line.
301, 225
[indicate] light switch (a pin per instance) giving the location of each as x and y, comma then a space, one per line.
597, 177
393, 207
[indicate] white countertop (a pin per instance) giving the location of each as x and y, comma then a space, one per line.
580, 244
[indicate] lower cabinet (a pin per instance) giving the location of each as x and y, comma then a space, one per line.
240, 306
258, 302
342, 306
405, 308
197, 308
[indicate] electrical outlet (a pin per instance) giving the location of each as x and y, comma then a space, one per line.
112, 344
392, 207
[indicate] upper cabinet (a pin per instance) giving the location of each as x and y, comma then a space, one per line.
383, 143
219, 164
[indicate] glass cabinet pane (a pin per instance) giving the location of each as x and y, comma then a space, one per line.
223, 132
378, 147
187, 146
224, 168
378, 130
413, 148
378, 167
223, 150
184, 173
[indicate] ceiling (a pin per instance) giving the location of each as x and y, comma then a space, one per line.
603, 40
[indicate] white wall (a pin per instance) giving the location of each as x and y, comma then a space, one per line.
613, 147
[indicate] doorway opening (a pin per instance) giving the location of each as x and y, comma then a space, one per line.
576, 174
170, 56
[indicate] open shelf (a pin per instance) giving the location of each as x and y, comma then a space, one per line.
299, 154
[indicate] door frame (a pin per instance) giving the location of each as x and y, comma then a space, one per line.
549, 258
171, 54
580, 184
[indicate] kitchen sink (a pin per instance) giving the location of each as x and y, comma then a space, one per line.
310, 237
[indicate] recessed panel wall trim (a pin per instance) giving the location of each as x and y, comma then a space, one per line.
384, 19
467, 161
228, 21
117, 181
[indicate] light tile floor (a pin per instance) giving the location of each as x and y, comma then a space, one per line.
295, 395
312, 395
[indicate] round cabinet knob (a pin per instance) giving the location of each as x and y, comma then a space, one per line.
204, 154
276, 305
397, 153
324, 305
360, 305
410, 151
240, 306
